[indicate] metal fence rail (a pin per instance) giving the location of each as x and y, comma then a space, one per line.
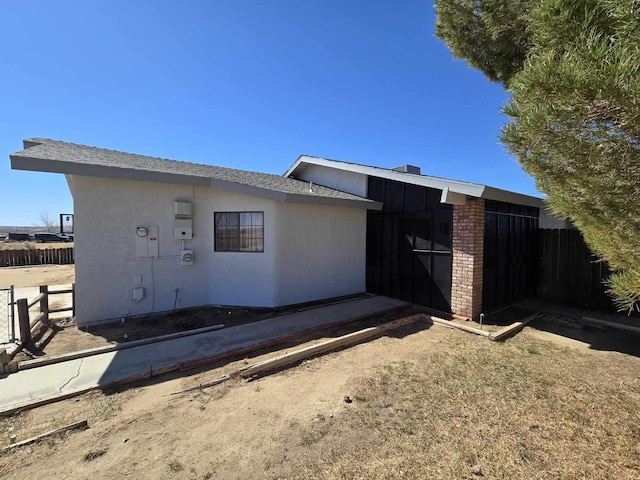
7, 315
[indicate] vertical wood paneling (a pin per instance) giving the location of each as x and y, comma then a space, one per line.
48, 256
569, 272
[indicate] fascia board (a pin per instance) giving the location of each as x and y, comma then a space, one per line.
293, 167
497, 194
20, 162
455, 186
452, 198
336, 202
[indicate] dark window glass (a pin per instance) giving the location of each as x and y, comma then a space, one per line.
239, 231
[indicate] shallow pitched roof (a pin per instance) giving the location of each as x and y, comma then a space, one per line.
54, 156
453, 189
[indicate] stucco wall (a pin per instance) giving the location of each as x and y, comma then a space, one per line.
350, 182
320, 252
310, 252
107, 213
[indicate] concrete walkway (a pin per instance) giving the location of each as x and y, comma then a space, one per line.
29, 388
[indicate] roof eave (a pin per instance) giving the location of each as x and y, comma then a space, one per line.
336, 202
454, 186
293, 167
26, 162
491, 193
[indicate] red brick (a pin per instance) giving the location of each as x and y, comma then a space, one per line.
468, 250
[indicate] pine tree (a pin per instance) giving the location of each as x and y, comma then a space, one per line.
574, 115
492, 35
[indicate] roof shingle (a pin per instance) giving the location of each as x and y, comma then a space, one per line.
63, 157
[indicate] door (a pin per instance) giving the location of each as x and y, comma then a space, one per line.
409, 257
510, 253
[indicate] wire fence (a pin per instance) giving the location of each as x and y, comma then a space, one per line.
7, 315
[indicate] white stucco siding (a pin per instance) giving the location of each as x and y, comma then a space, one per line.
343, 180
107, 213
244, 278
320, 252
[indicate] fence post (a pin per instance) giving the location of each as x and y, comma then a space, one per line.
13, 314
44, 302
23, 321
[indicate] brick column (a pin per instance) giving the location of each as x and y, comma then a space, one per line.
468, 251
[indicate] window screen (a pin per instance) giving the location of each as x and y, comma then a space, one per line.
239, 231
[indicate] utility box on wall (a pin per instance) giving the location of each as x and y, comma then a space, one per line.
146, 241
138, 293
186, 257
183, 221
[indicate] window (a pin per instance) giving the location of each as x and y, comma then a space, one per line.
239, 231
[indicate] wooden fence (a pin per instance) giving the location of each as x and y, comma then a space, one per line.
45, 256
29, 327
569, 272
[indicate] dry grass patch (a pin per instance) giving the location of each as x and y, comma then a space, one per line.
33, 245
18, 246
522, 409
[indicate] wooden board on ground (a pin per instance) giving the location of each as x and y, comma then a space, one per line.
324, 347
511, 329
327, 346
450, 324
74, 426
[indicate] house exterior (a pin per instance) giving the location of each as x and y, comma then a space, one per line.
154, 234
453, 246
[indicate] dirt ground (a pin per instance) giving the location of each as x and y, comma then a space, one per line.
296, 423
37, 275
235, 430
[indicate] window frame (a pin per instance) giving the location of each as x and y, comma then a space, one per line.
234, 232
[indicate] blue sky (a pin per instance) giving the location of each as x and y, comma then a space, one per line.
248, 84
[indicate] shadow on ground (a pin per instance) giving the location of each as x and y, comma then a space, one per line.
566, 321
